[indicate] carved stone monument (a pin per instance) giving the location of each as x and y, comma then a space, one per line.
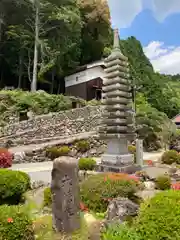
118, 119
65, 195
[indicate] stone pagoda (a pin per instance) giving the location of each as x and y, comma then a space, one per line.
118, 118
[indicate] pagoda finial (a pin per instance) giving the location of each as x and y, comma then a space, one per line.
116, 39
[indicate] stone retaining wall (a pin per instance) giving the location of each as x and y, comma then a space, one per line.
97, 148
55, 124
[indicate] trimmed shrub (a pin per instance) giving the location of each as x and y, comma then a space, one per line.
15, 223
163, 182
159, 217
83, 146
97, 190
55, 152
13, 184
87, 164
5, 158
170, 157
47, 197
132, 149
27, 180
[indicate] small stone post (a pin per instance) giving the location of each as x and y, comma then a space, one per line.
139, 152
65, 195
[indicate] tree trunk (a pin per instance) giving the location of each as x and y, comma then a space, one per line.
52, 82
1, 79
1, 23
20, 70
0, 30
59, 85
36, 43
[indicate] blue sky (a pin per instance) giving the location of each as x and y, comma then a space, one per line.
156, 23
146, 28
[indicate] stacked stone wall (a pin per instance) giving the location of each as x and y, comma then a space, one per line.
54, 125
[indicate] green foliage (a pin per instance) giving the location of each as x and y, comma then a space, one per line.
96, 31
94, 102
152, 126
66, 31
44, 231
161, 91
96, 190
27, 179
39, 102
15, 223
177, 133
170, 157
163, 182
13, 184
132, 149
55, 152
120, 232
159, 217
87, 164
83, 146
47, 201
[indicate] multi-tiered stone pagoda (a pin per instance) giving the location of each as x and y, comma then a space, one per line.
117, 123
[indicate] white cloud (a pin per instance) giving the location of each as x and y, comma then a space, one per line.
123, 12
164, 59
164, 8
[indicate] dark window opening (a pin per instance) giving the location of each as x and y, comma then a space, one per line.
74, 104
23, 116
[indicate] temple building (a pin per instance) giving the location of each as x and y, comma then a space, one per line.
176, 120
86, 82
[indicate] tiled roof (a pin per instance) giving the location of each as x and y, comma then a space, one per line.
177, 119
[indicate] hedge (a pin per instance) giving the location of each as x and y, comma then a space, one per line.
13, 184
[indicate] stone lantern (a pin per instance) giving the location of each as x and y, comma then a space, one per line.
117, 125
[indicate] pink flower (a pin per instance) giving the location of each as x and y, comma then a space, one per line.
150, 162
135, 178
83, 207
175, 186
10, 220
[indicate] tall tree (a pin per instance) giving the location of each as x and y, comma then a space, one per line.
96, 31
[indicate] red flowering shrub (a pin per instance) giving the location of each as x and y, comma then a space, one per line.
5, 158
97, 190
175, 186
15, 223
83, 208
149, 162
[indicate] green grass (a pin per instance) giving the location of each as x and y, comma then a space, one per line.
43, 230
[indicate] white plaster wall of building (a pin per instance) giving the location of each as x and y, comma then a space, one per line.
84, 76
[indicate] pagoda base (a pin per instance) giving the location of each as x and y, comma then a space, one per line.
114, 159
130, 169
